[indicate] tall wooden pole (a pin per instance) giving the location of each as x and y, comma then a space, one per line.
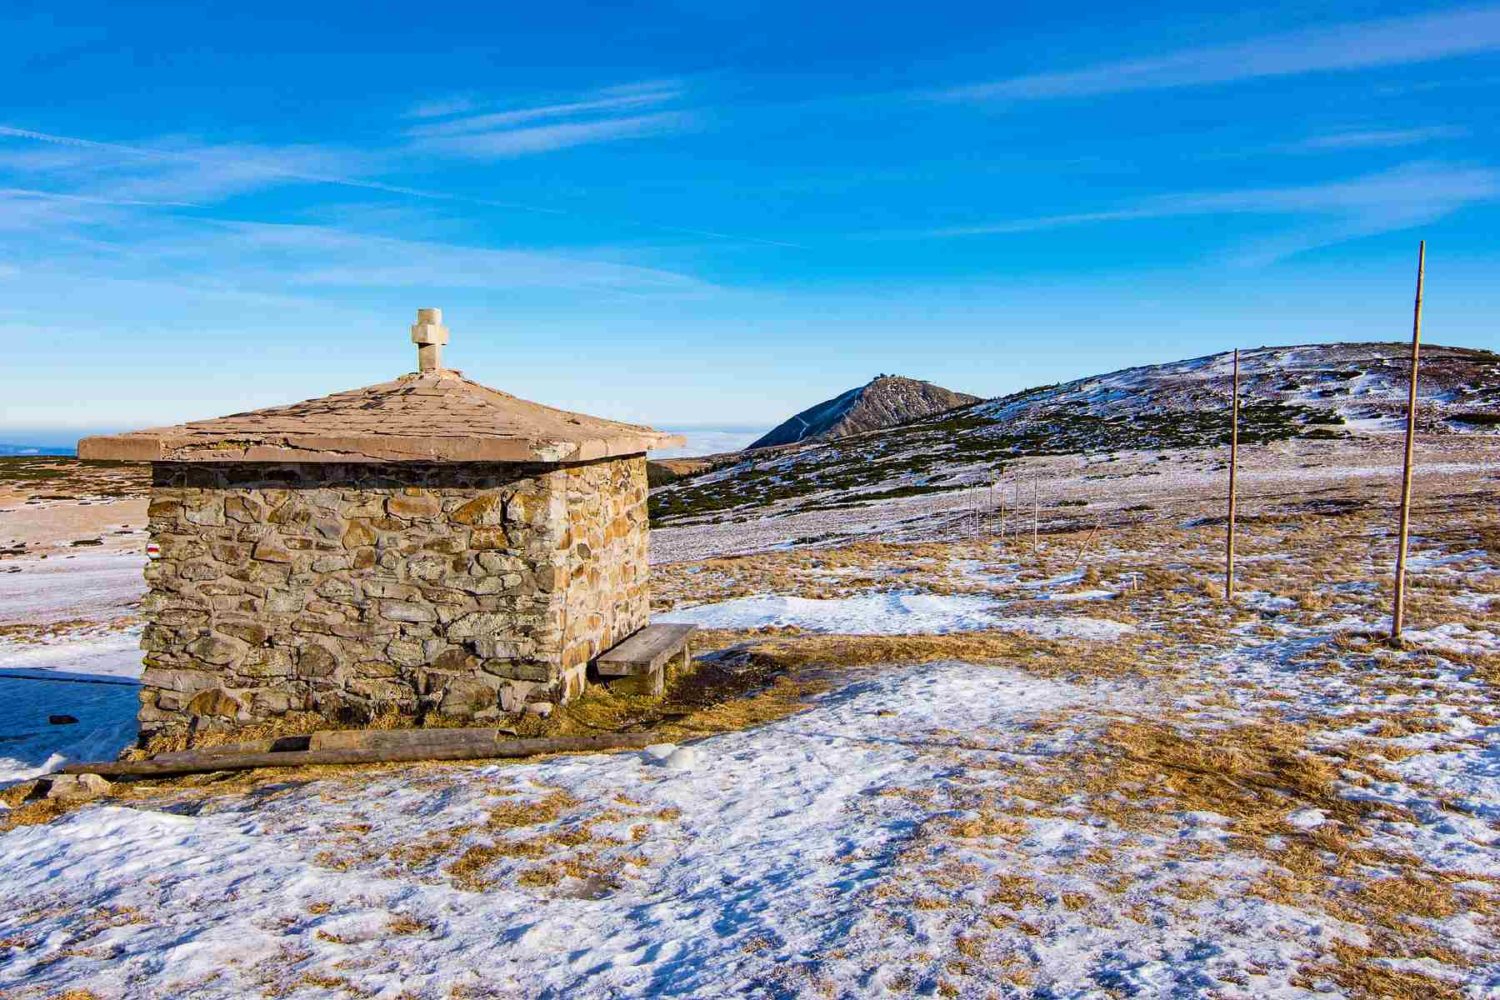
1398, 608
1036, 510
1234, 462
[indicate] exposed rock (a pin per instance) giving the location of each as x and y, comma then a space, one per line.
488, 509
272, 550
489, 538
218, 650
464, 696
77, 787
215, 702
410, 504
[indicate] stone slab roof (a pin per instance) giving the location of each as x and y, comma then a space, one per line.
428, 416
431, 415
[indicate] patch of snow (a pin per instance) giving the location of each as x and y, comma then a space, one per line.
1307, 819
90, 676
1094, 629
1259, 600
1081, 595
103, 653
1432, 560
1454, 638
101, 585
763, 863
682, 759
31, 746
1056, 581
1475, 602
863, 614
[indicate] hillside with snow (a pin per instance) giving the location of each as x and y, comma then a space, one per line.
1317, 392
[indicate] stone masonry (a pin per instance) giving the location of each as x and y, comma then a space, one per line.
303, 592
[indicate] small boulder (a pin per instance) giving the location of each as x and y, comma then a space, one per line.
77, 787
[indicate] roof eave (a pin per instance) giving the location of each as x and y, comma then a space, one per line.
169, 447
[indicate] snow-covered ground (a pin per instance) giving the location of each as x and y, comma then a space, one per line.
73, 653
894, 613
891, 613
30, 745
887, 840
1152, 795
96, 586
756, 861
89, 675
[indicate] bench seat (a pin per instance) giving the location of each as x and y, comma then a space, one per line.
638, 665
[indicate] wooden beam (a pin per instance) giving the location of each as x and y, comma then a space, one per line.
475, 744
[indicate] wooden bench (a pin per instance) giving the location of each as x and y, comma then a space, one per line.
639, 664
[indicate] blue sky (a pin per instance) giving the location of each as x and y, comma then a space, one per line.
721, 212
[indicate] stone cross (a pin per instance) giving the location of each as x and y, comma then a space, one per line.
429, 334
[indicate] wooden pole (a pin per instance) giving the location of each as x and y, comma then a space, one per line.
1234, 461
1036, 509
1084, 548
1398, 608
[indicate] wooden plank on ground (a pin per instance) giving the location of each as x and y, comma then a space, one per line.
377, 739
646, 651
479, 744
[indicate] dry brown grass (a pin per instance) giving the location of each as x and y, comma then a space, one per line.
1359, 972
27, 810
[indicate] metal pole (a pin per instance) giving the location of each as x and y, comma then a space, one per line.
1398, 609
1234, 460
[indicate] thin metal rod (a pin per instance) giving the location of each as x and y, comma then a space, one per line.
1234, 462
1398, 607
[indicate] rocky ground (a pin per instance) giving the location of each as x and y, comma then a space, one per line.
954, 744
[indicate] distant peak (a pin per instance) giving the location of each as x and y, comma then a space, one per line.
884, 401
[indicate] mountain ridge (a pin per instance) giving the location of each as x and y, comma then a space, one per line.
1312, 392
884, 401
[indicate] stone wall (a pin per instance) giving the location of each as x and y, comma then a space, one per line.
606, 597
307, 593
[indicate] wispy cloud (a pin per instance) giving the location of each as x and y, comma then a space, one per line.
628, 112
1377, 138
323, 256
179, 173
615, 99
1350, 46
186, 171
1411, 195
121, 211
441, 107
236, 258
